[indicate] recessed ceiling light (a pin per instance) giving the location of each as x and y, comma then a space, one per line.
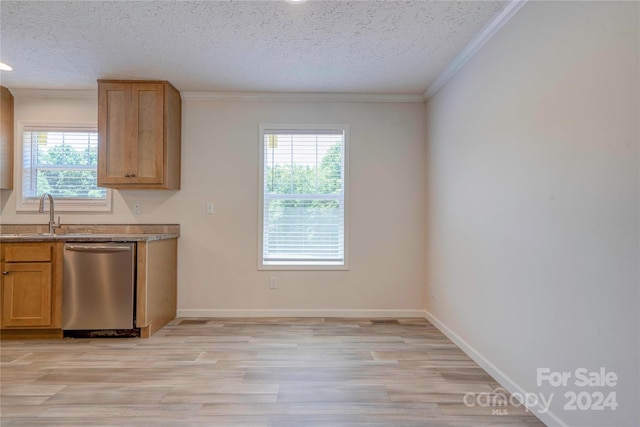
5, 67
295, 1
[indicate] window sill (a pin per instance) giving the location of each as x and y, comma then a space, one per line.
32, 205
283, 266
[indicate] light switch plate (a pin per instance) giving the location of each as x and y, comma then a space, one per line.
137, 208
210, 208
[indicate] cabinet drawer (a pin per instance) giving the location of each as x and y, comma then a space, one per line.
28, 253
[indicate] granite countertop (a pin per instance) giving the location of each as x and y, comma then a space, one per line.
89, 233
85, 237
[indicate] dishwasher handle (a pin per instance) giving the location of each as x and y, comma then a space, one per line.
98, 248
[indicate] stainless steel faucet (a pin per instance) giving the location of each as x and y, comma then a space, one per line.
52, 221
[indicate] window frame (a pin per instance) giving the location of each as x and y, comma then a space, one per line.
300, 265
28, 204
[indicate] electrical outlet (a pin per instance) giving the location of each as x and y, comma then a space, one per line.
137, 208
273, 282
210, 208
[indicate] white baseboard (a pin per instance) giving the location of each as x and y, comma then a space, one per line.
186, 312
549, 418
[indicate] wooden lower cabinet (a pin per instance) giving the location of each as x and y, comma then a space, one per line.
26, 294
156, 286
31, 287
31, 296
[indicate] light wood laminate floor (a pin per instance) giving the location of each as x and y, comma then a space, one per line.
250, 372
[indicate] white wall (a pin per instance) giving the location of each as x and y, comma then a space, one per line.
533, 218
218, 253
221, 164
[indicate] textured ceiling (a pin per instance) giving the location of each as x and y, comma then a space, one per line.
251, 46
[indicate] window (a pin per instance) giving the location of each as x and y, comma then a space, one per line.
303, 201
61, 160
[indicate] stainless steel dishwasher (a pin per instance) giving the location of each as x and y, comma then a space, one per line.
98, 288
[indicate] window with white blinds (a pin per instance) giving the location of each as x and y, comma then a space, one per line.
303, 197
61, 161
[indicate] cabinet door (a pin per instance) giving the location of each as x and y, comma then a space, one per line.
116, 133
26, 294
147, 157
6, 139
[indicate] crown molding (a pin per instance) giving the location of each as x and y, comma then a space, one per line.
286, 96
234, 96
487, 32
54, 93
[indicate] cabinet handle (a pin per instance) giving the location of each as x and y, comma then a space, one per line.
126, 175
133, 175
4, 273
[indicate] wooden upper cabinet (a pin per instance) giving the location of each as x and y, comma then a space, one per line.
6, 139
139, 134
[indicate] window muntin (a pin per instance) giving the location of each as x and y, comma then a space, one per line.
61, 160
303, 197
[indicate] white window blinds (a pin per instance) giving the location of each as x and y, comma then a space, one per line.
303, 188
62, 162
